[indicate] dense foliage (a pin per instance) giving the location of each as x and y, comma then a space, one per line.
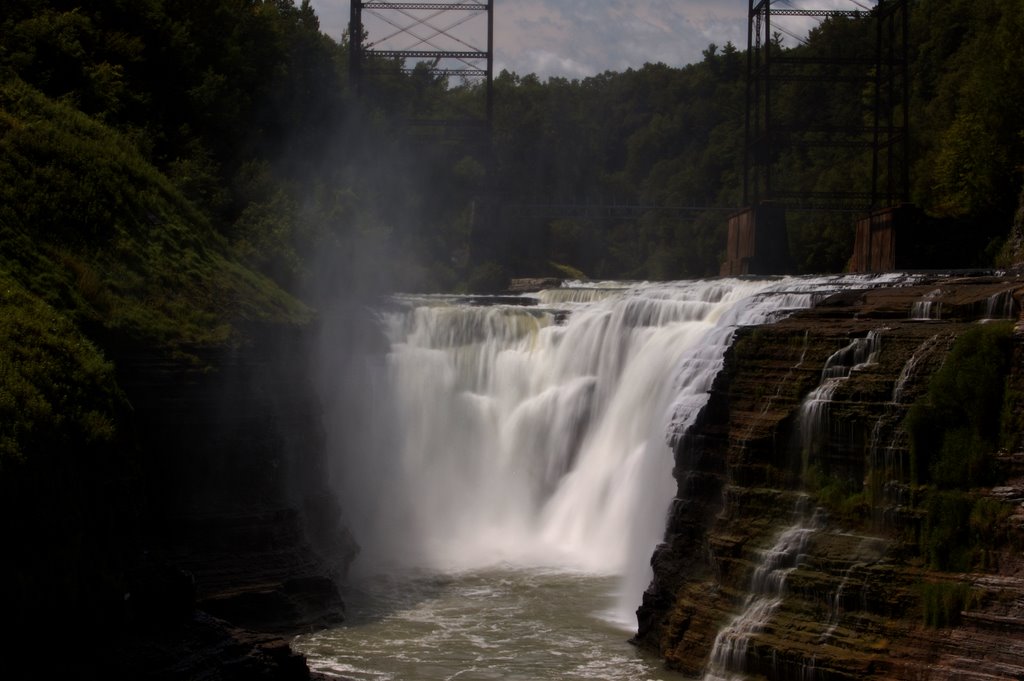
245, 106
668, 137
955, 430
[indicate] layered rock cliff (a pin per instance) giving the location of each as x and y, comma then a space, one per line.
212, 534
238, 506
805, 540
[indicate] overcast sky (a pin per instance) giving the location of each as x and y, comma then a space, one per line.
580, 38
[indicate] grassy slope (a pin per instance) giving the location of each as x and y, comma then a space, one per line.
91, 228
95, 243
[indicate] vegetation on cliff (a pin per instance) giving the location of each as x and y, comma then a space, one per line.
106, 251
93, 229
955, 430
65, 466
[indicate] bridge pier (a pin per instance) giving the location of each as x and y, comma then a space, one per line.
874, 248
758, 241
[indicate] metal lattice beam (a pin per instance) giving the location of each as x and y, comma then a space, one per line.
425, 54
439, 38
439, 6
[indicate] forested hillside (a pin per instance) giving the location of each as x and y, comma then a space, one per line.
245, 109
667, 137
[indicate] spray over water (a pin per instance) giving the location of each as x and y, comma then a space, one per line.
538, 435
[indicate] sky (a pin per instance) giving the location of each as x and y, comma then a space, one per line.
580, 38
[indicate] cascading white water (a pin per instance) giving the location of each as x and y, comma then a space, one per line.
538, 435
928, 308
888, 464
910, 368
503, 465
767, 589
814, 409
1001, 306
728, 658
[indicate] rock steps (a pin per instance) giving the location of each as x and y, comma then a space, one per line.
853, 607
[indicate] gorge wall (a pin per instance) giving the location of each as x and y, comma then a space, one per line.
213, 533
797, 546
236, 479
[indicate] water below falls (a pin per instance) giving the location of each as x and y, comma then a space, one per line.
516, 455
519, 624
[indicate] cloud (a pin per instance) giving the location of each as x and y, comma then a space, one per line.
579, 38
592, 36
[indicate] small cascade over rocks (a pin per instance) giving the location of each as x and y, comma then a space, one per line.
928, 308
1001, 306
911, 367
728, 658
813, 419
538, 432
888, 460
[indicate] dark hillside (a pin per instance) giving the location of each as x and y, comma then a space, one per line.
105, 262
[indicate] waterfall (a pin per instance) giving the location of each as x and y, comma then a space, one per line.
835, 602
767, 590
910, 368
813, 417
1001, 305
539, 434
888, 471
728, 657
927, 308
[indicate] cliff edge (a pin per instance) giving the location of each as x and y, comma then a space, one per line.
834, 519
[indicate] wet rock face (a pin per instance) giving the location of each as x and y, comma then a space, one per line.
858, 600
240, 529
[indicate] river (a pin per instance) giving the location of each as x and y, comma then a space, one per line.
516, 624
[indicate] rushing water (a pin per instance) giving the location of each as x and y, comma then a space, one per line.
767, 591
517, 456
525, 624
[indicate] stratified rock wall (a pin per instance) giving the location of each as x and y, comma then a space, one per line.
236, 479
239, 528
853, 605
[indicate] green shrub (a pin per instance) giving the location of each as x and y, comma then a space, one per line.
942, 603
56, 389
945, 536
963, 531
955, 427
845, 499
989, 529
